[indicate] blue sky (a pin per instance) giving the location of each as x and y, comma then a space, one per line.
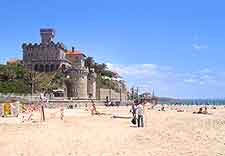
176, 47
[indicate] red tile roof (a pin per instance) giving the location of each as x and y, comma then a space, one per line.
75, 52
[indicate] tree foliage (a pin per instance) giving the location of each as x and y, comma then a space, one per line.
15, 79
12, 79
105, 77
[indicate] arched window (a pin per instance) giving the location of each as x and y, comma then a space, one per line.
41, 68
47, 68
52, 68
57, 66
36, 67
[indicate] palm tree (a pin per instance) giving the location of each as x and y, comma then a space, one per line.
100, 68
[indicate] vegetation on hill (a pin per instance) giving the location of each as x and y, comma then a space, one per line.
11, 79
105, 77
14, 78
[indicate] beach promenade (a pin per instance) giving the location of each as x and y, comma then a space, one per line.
166, 133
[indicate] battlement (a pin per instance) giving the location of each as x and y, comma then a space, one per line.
73, 72
30, 46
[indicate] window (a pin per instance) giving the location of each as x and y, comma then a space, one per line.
36, 67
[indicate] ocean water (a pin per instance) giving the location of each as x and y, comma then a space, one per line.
197, 102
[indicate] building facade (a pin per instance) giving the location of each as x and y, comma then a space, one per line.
48, 56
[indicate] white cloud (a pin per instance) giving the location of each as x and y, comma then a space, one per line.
166, 81
205, 71
144, 76
201, 82
190, 80
199, 46
134, 69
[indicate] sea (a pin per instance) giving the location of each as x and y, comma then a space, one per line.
196, 102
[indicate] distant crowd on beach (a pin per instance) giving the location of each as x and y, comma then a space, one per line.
137, 109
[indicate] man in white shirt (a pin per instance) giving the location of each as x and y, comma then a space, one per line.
140, 113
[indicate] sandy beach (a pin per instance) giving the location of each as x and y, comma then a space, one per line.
168, 133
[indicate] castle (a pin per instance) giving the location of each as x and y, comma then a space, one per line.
48, 56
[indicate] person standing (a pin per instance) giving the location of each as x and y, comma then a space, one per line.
43, 102
93, 108
140, 114
134, 108
133, 111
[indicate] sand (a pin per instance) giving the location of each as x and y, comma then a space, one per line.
168, 133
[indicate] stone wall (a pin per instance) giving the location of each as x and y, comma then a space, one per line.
91, 84
43, 58
102, 93
76, 83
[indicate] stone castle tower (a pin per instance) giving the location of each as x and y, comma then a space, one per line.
48, 56
80, 82
91, 83
76, 83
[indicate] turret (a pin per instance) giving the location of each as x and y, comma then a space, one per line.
76, 83
47, 35
91, 83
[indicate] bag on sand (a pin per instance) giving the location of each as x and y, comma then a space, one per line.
133, 121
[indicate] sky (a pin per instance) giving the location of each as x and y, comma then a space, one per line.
175, 47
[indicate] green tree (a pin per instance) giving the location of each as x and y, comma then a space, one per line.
89, 63
11, 79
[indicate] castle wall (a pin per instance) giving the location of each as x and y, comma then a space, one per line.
91, 84
77, 60
48, 56
91, 88
43, 58
82, 86
76, 83
102, 93
77, 88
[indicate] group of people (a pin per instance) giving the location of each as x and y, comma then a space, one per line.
201, 111
138, 113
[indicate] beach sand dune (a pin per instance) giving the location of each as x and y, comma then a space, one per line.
166, 133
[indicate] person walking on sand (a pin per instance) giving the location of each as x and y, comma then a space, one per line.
133, 108
140, 114
93, 108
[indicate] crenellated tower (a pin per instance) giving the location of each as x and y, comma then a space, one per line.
47, 35
91, 83
46, 56
76, 83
